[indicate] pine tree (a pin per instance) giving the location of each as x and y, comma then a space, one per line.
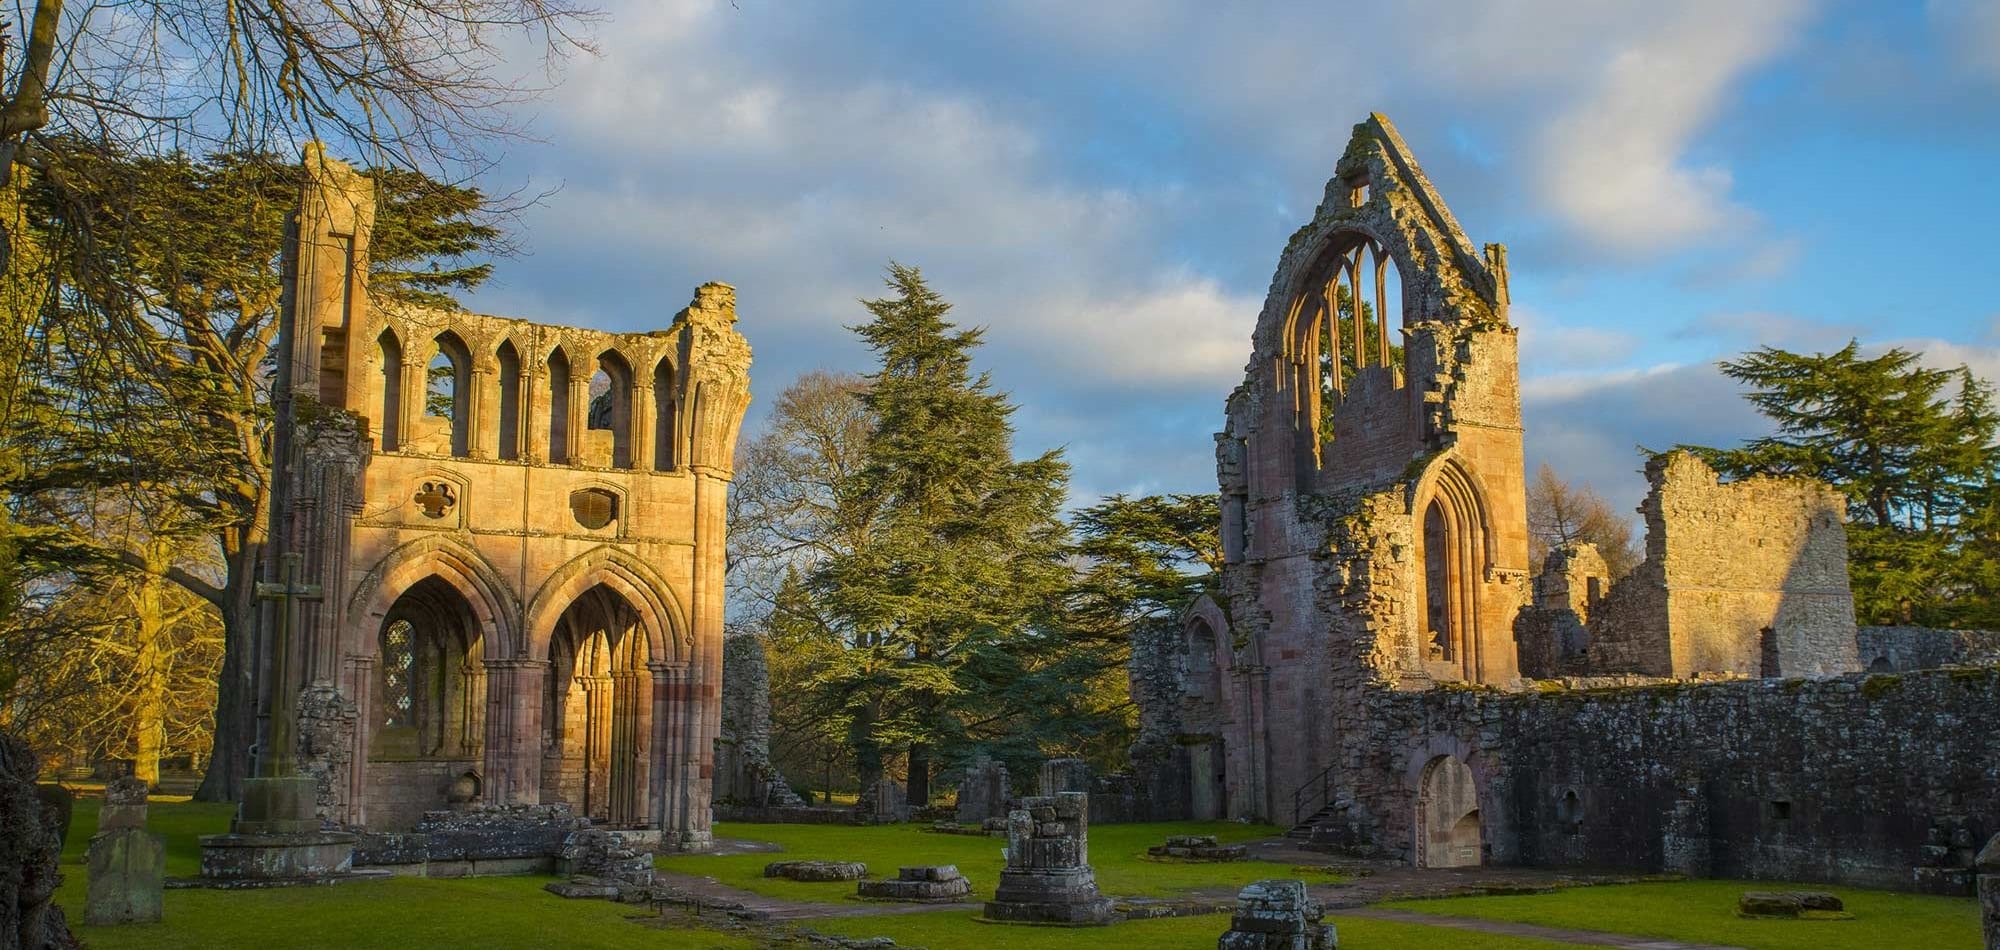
948, 604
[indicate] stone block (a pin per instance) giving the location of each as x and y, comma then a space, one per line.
817, 870
919, 884
1277, 915
1784, 904
124, 805
1989, 892
128, 875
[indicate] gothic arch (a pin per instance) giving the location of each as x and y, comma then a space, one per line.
1455, 550
659, 610
454, 563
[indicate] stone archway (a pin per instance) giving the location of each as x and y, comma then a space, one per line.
1449, 832
597, 710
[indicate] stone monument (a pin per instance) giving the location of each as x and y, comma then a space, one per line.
1048, 879
1277, 915
984, 791
884, 802
277, 834
128, 864
1064, 775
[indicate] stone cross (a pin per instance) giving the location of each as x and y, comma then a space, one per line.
277, 760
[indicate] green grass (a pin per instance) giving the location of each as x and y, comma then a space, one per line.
1117, 852
398, 914
1705, 912
950, 931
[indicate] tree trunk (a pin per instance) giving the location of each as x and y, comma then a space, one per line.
150, 662
235, 690
919, 793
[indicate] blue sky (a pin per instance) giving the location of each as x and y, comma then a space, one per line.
1106, 186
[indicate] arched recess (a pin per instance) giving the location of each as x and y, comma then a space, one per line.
427, 708
1210, 709
1449, 827
509, 360
389, 408
448, 390
666, 419
597, 709
1341, 331
660, 612
453, 563
611, 409
560, 449
1454, 548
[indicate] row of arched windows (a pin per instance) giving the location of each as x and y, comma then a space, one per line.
572, 406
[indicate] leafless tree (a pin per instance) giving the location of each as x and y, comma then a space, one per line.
1559, 514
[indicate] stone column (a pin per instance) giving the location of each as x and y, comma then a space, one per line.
579, 411
644, 411
597, 745
358, 681
534, 421
482, 409
1989, 891
514, 731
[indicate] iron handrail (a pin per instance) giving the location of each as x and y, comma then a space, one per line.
1323, 793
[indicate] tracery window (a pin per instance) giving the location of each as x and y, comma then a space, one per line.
399, 668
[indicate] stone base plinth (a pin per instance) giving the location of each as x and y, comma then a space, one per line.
277, 857
1059, 897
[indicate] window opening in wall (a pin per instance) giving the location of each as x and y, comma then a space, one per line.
1357, 191
1437, 583
559, 448
593, 508
448, 390
399, 660
666, 424
1345, 321
391, 423
510, 402
1781, 811
611, 405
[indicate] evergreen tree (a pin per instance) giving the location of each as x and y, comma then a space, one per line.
949, 604
1913, 448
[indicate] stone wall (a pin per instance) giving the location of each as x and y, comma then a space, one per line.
1901, 649
1746, 577
744, 774
1884, 780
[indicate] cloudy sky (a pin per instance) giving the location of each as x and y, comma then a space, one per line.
1105, 185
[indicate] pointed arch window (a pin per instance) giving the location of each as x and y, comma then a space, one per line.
448, 390
559, 447
391, 423
510, 401
666, 425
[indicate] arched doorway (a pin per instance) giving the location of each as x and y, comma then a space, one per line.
1448, 833
597, 710
429, 705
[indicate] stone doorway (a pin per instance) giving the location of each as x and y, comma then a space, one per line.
427, 712
597, 710
1207, 780
1448, 832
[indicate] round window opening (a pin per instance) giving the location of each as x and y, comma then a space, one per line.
593, 507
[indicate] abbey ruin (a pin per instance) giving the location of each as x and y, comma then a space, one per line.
1382, 673
515, 533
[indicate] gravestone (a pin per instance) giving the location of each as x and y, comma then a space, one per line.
1989, 891
1277, 915
1048, 879
128, 864
984, 791
1064, 775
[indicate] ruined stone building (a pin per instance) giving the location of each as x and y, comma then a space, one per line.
1381, 671
518, 529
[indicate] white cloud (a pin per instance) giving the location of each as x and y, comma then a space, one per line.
1970, 29
1614, 164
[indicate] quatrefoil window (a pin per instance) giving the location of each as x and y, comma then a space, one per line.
436, 498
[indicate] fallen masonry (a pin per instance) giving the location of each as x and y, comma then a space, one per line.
1048, 879
817, 870
1198, 848
925, 883
1277, 915
1789, 904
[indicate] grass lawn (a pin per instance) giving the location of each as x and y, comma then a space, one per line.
1117, 852
953, 931
1705, 911
399, 914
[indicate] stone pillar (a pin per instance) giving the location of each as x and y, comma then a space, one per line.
128, 865
534, 421
579, 411
984, 791
482, 409
1989, 891
1064, 775
644, 411
1048, 879
1277, 915
514, 731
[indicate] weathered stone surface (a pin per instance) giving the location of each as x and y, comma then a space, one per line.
919, 884
1198, 848
1277, 915
30, 845
1989, 892
124, 805
817, 870
983, 792
515, 656
1901, 649
58, 805
1048, 877
128, 874
1063, 775
599, 854
884, 801
744, 774
1787, 903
